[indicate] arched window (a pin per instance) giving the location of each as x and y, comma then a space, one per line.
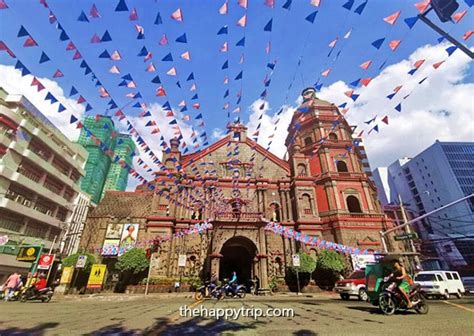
169, 163
307, 205
275, 215
308, 141
301, 170
353, 204
332, 136
341, 167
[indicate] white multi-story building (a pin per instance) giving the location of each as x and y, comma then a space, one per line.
40, 170
441, 174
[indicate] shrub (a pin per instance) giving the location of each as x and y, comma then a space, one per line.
72, 260
134, 260
328, 265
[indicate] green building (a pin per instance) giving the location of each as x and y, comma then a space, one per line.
102, 173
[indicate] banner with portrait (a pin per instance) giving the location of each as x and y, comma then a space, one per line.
129, 237
111, 244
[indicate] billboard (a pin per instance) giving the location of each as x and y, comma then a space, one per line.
110, 247
114, 231
128, 238
45, 261
28, 253
67, 275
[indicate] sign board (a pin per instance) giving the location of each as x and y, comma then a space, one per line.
182, 260
81, 261
28, 253
45, 261
128, 238
360, 261
67, 275
96, 278
406, 236
3, 240
296, 260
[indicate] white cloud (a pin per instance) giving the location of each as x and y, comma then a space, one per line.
12, 81
217, 133
440, 108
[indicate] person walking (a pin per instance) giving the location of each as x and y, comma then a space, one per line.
11, 284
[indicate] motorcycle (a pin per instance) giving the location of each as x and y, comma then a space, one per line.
205, 292
390, 299
31, 293
234, 290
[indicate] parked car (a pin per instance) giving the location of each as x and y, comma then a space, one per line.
440, 283
468, 283
354, 285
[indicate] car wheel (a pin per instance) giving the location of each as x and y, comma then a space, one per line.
345, 296
363, 295
459, 294
446, 295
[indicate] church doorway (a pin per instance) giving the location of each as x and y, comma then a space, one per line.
238, 254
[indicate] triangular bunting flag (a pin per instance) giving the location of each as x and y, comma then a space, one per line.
121, 6
83, 17
177, 15
391, 19
311, 17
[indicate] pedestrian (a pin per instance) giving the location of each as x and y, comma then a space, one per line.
11, 284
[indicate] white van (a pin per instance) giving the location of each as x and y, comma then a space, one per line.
440, 283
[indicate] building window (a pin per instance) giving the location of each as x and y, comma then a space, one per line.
302, 170
353, 204
308, 141
332, 136
307, 205
341, 167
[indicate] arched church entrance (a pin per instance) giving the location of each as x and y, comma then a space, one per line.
238, 254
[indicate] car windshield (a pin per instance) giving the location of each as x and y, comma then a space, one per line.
357, 275
425, 277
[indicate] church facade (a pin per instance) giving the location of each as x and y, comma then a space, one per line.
322, 190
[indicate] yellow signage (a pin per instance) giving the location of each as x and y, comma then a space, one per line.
28, 253
67, 275
96, 278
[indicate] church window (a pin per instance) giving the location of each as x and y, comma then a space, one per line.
169, 163
308, 141
353, 204
341, 167
301, 170
332, 136
275, 212
307, 206
236, 136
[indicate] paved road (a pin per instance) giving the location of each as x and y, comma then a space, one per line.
319, 315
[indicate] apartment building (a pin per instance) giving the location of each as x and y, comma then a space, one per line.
40, 172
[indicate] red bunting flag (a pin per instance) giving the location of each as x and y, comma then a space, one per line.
236, 110
268, 48
133, 15
197, 106
79, 125
419, 63
4, 47
115, 56
360, 134
193, 87
77, 55
186, 56
366, 65
30, 42
160, 92
177, 15
394, 44
150, 68
391, 19
385, 119
270, 3
348, 34
333, 43
349, 93
182, 104
3, 4
58, 74
226, 80
225, 47
95, 39
94, 13
132, 85
37, 83
397, 88
148, 56
366, 81
103, 92
243, 3
437, 65
422, 6
226, 106
459, 15
172, 71
224, 8
467, 35
242, 21
70, 46
163, 40
326, 73
155, 130
81, 100
140, 29
114, 69
316, 3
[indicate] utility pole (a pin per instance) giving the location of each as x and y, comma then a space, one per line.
408, 230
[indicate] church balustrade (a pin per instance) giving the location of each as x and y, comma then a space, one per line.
242, 216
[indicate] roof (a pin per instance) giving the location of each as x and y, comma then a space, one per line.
124, 204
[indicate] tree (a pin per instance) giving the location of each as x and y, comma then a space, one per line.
72, 260
134, 261
329, 263
307, 266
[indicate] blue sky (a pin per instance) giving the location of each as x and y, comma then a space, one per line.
293, 38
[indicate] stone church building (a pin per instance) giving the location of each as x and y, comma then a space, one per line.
323, 190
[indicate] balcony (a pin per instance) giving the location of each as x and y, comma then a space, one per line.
28, 173
52, 187
239, 217
18, 197
308, 211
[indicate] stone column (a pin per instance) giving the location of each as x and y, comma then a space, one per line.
367, 196
284, 215
263, 258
